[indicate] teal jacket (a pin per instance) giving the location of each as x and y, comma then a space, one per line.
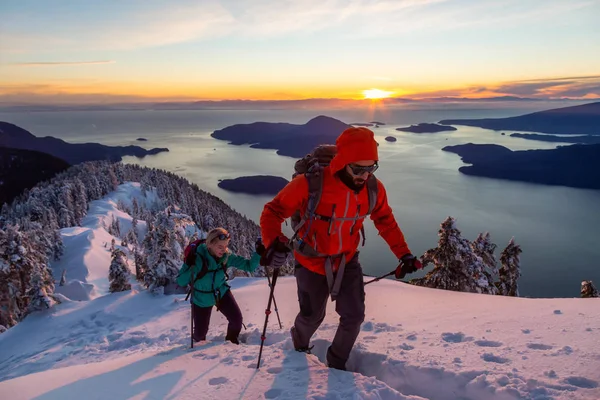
215, 279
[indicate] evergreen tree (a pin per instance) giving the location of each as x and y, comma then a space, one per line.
135, 208
132, 236
57, 245
163, 266
118, 274
457, 267
41, 289
483, 247
588, 289
510, 272
140, 265
63, 278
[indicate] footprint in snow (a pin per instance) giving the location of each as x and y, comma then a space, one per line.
526, 331
557, 312
457, 337
273, 393
275, 370
411, 337
489, 357
218, 381
538, 346
581, 382
247, 358
487, 343
405, 346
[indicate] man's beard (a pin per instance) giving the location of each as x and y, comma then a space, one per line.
355, 184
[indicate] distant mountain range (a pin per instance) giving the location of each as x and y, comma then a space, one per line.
586, 139
575, 166
581, 120
23, 169
288, 139
18, 138
234, 104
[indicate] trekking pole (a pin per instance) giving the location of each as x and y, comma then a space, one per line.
267, 312
191, 292
381, 277
275, 304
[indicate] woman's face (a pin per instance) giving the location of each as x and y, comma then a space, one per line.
219, 248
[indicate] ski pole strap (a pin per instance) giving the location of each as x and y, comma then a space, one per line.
334, 281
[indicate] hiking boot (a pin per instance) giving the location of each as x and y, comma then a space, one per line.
303, 349
197, 338
232, 335
334, 362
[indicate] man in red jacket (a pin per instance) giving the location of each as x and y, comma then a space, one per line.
325, 245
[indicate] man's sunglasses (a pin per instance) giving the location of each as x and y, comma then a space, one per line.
361, 169
223, 236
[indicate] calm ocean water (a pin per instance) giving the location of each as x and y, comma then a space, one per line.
557, 227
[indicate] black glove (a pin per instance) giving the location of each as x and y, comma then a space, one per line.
276, 254
408, 265
259, 247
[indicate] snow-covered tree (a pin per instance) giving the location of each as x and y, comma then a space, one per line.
483, 247
457, 266
131, 236
63, 278
115, 227
510, 270
135, 208
57, 245
112, 245
588, 289
41, 289
118, 274
163, 265
140, 265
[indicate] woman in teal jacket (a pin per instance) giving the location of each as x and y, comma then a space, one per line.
212, 289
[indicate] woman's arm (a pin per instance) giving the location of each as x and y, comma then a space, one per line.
243, 263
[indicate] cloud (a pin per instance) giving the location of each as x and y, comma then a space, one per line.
125, 27
61, 63
540, 88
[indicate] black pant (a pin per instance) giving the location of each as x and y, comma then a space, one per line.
350, 305
229, 308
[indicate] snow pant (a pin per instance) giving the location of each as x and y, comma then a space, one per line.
313, 293
229, 308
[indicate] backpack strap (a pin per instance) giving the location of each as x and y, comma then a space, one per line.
203, 271
372, 190
315, 190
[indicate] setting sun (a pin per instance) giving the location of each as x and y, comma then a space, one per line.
376, 94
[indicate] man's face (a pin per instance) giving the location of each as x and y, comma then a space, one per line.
360, 171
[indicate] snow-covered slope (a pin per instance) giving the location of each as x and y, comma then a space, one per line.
87, 247
415, 343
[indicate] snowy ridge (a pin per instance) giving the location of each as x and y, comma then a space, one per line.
88, 257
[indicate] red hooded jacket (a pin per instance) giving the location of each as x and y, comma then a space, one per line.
354, 144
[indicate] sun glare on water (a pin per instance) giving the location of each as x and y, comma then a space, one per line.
376, 94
